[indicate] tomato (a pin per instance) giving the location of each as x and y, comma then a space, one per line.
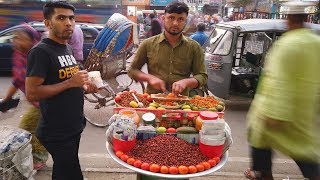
124, 157
130, 161
200, 167
164, 169
145, 166
173, 170
117, 99
212, 162
119, 154
171, 130
145, 95
192, 169
170, 95
149, 98
137, 163
183, 169
154, 168
132, 91
206, 165
217, 159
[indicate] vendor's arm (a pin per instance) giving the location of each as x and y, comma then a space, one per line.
135, 69
199, 72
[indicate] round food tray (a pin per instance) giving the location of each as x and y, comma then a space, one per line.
222, 162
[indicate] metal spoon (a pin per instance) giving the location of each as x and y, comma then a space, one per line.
140, 104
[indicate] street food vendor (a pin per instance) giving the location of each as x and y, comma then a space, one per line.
170, 56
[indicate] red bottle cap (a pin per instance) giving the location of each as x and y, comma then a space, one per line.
191, 116
208, 115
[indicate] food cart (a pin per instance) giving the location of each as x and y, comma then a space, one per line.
143, 122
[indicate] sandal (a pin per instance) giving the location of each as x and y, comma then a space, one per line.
253, 175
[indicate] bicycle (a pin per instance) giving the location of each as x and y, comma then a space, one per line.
110, 51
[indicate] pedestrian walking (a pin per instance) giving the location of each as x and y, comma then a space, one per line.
76, 42
284, 114
24, 38
55, 80
200, 36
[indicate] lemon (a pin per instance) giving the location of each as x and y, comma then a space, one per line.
212, 109
221, 103
153, 104
151, 107
133, 104
219, 108
186, 106
195, 108
161, 130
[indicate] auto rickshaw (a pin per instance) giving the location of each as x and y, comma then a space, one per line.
235, 53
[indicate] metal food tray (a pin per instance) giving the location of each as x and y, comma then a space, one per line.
222, 162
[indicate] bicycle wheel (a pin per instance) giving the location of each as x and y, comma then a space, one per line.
122, 82
98, 107
96, 114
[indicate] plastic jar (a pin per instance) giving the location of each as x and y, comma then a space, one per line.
164, 122
131, 114
191, 118
149, 118
205, 116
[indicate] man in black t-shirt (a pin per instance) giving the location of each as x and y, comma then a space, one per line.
54, 79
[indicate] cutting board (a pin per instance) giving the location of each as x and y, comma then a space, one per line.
165, 97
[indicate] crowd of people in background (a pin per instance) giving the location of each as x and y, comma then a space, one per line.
152, 24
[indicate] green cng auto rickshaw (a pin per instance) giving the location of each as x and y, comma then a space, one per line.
235, 53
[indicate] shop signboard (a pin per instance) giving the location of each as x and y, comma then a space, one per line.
159, 2
215, 2
135, 2
196, 2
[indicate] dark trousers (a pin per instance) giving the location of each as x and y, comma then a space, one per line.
262, 162
65, 158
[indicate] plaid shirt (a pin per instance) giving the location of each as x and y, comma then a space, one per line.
19, 64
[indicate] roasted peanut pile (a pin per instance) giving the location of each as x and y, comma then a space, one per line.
167, 150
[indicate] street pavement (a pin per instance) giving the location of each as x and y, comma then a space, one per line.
97, 164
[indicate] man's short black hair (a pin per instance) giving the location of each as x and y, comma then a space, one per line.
177, 7
151, 15
201, 27
48, 8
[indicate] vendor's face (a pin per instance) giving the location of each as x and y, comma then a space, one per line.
174, 23
61, 24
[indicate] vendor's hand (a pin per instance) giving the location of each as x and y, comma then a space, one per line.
179, 86
157, 83
79, 78
90, 87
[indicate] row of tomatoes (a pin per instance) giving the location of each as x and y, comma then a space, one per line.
168, 170
118, 97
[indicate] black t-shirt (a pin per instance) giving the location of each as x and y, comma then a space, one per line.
62, 114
